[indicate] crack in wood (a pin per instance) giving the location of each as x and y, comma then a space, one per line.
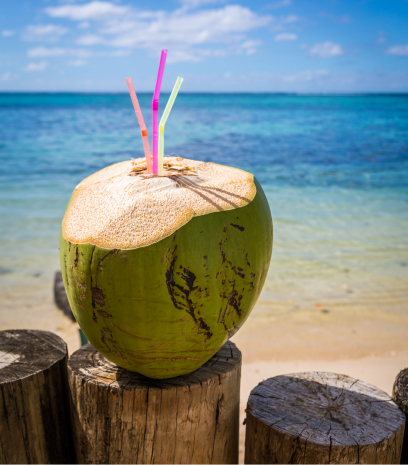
333, 414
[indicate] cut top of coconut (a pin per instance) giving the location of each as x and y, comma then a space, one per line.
123, 207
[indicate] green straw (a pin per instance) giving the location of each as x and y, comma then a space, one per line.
163, 122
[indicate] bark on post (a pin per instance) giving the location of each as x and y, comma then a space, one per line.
124, 417
322, 418
34, 414
400, 396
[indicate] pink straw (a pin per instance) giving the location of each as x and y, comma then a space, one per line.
155, 108
142, 125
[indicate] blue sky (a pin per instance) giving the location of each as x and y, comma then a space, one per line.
215, 45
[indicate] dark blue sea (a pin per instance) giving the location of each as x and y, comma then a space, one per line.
334, 169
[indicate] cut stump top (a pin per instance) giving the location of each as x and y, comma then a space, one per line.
25, 353
326, 409
87, 363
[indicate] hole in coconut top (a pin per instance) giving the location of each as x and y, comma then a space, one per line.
124, 207
139, 168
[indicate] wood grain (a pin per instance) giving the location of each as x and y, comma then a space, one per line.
34, 416
124, 417
322, 418
400, 396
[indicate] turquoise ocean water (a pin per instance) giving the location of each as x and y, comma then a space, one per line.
334, 169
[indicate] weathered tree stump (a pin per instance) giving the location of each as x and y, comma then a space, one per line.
322, 418
34, 413
400, 396
60, 296
124, 417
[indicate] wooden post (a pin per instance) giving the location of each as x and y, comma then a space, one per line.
400, 395
60, 296
34, 415
124, 417
322, 418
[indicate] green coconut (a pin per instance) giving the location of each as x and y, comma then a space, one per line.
161, 271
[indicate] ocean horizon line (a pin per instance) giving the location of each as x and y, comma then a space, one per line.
300, 94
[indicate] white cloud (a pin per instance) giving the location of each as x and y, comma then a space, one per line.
326, 50
250, 47
291, 19
279, 24
115, 53
42, 52
7, 33
92, 39
220, 25
197, 3
401, 50
200, 54
44, 32
40, 66
88, 11
76, 63
177, 56
183, 31
285, 36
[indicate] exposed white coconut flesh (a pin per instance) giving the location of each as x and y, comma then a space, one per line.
123, 207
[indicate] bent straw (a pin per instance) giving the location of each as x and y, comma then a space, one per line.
142, 124
155, 108
163, 120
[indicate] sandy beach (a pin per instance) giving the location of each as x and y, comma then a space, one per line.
279, 337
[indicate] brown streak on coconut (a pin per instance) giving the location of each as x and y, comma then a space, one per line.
189, 278
246, 257
234, 302
97, 297
77, 257
104, 314
241, 228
